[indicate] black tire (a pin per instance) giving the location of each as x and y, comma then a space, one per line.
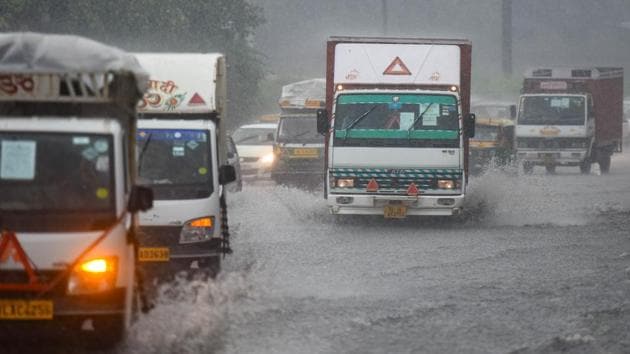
585, 166
604, 164
528, 168
551, 169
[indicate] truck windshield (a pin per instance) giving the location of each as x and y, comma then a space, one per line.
175, 163
552, 110
406, 120
56, 181
296, 129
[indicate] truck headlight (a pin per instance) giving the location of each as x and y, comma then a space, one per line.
267, 159
345, 183
445, 184
197, 230
93, 276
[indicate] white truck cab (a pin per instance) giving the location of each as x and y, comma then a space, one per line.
181, 148
67, 250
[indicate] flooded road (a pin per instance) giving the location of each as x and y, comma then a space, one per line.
540, 264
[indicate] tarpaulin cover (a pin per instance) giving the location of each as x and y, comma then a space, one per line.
314, 89
54, 53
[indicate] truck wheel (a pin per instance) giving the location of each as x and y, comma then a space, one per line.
585, 166
551, 169
604, 164
528, 168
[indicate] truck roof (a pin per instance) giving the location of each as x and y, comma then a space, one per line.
43, 73
387, 40
36, 53
577, 73
181, 82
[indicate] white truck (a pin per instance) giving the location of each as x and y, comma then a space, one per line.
570, 116
182, 157
67, 181
396, 125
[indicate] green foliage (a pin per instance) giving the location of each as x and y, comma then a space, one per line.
160, 26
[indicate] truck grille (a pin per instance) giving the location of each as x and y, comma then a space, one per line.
551, 143
398, 180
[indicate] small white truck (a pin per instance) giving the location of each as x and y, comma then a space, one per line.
182, 151
67, 181
396, 125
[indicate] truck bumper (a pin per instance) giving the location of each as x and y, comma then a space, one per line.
572, 157
436, 205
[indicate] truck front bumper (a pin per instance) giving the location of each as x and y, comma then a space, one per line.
436, 205
568, 157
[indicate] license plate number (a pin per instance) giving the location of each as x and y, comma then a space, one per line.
154, 254
26, 310
305, 152
395, 211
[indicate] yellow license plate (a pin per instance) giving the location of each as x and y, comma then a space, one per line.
26, 310
305, 152
395, 211
154, 254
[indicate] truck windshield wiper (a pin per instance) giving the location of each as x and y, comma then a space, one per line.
356, 120
419, 117
144, 149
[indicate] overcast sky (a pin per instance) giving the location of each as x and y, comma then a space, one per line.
545, 32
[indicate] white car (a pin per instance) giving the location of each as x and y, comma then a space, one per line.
254, 143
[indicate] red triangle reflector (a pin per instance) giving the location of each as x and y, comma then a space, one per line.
372, 186
412, 190
196, 100
397, 67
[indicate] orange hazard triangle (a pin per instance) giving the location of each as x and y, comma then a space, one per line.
10, 248
397, 67
196, 100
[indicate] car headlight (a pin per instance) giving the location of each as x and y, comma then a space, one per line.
267, 159
93, 276
345, 183
445, 184
197, 230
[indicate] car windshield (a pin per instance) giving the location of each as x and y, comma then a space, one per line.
299, 129
488, 111
254, 136
56, 181
175, 163
418, 120
552, 110
486, 132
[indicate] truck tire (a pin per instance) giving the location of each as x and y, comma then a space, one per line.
604, 164
551, 169
528, 168
585, 166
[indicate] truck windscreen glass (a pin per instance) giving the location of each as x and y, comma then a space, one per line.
56, 178
299, 130
175, 163
552, 110
415, 120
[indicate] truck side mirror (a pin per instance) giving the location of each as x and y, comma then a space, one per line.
512, 111
322, 121
227, 174
469, 125
140, 199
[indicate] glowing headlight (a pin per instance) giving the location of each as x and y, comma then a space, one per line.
345, 183
445, 184
197, 230
93, 276
267, 159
